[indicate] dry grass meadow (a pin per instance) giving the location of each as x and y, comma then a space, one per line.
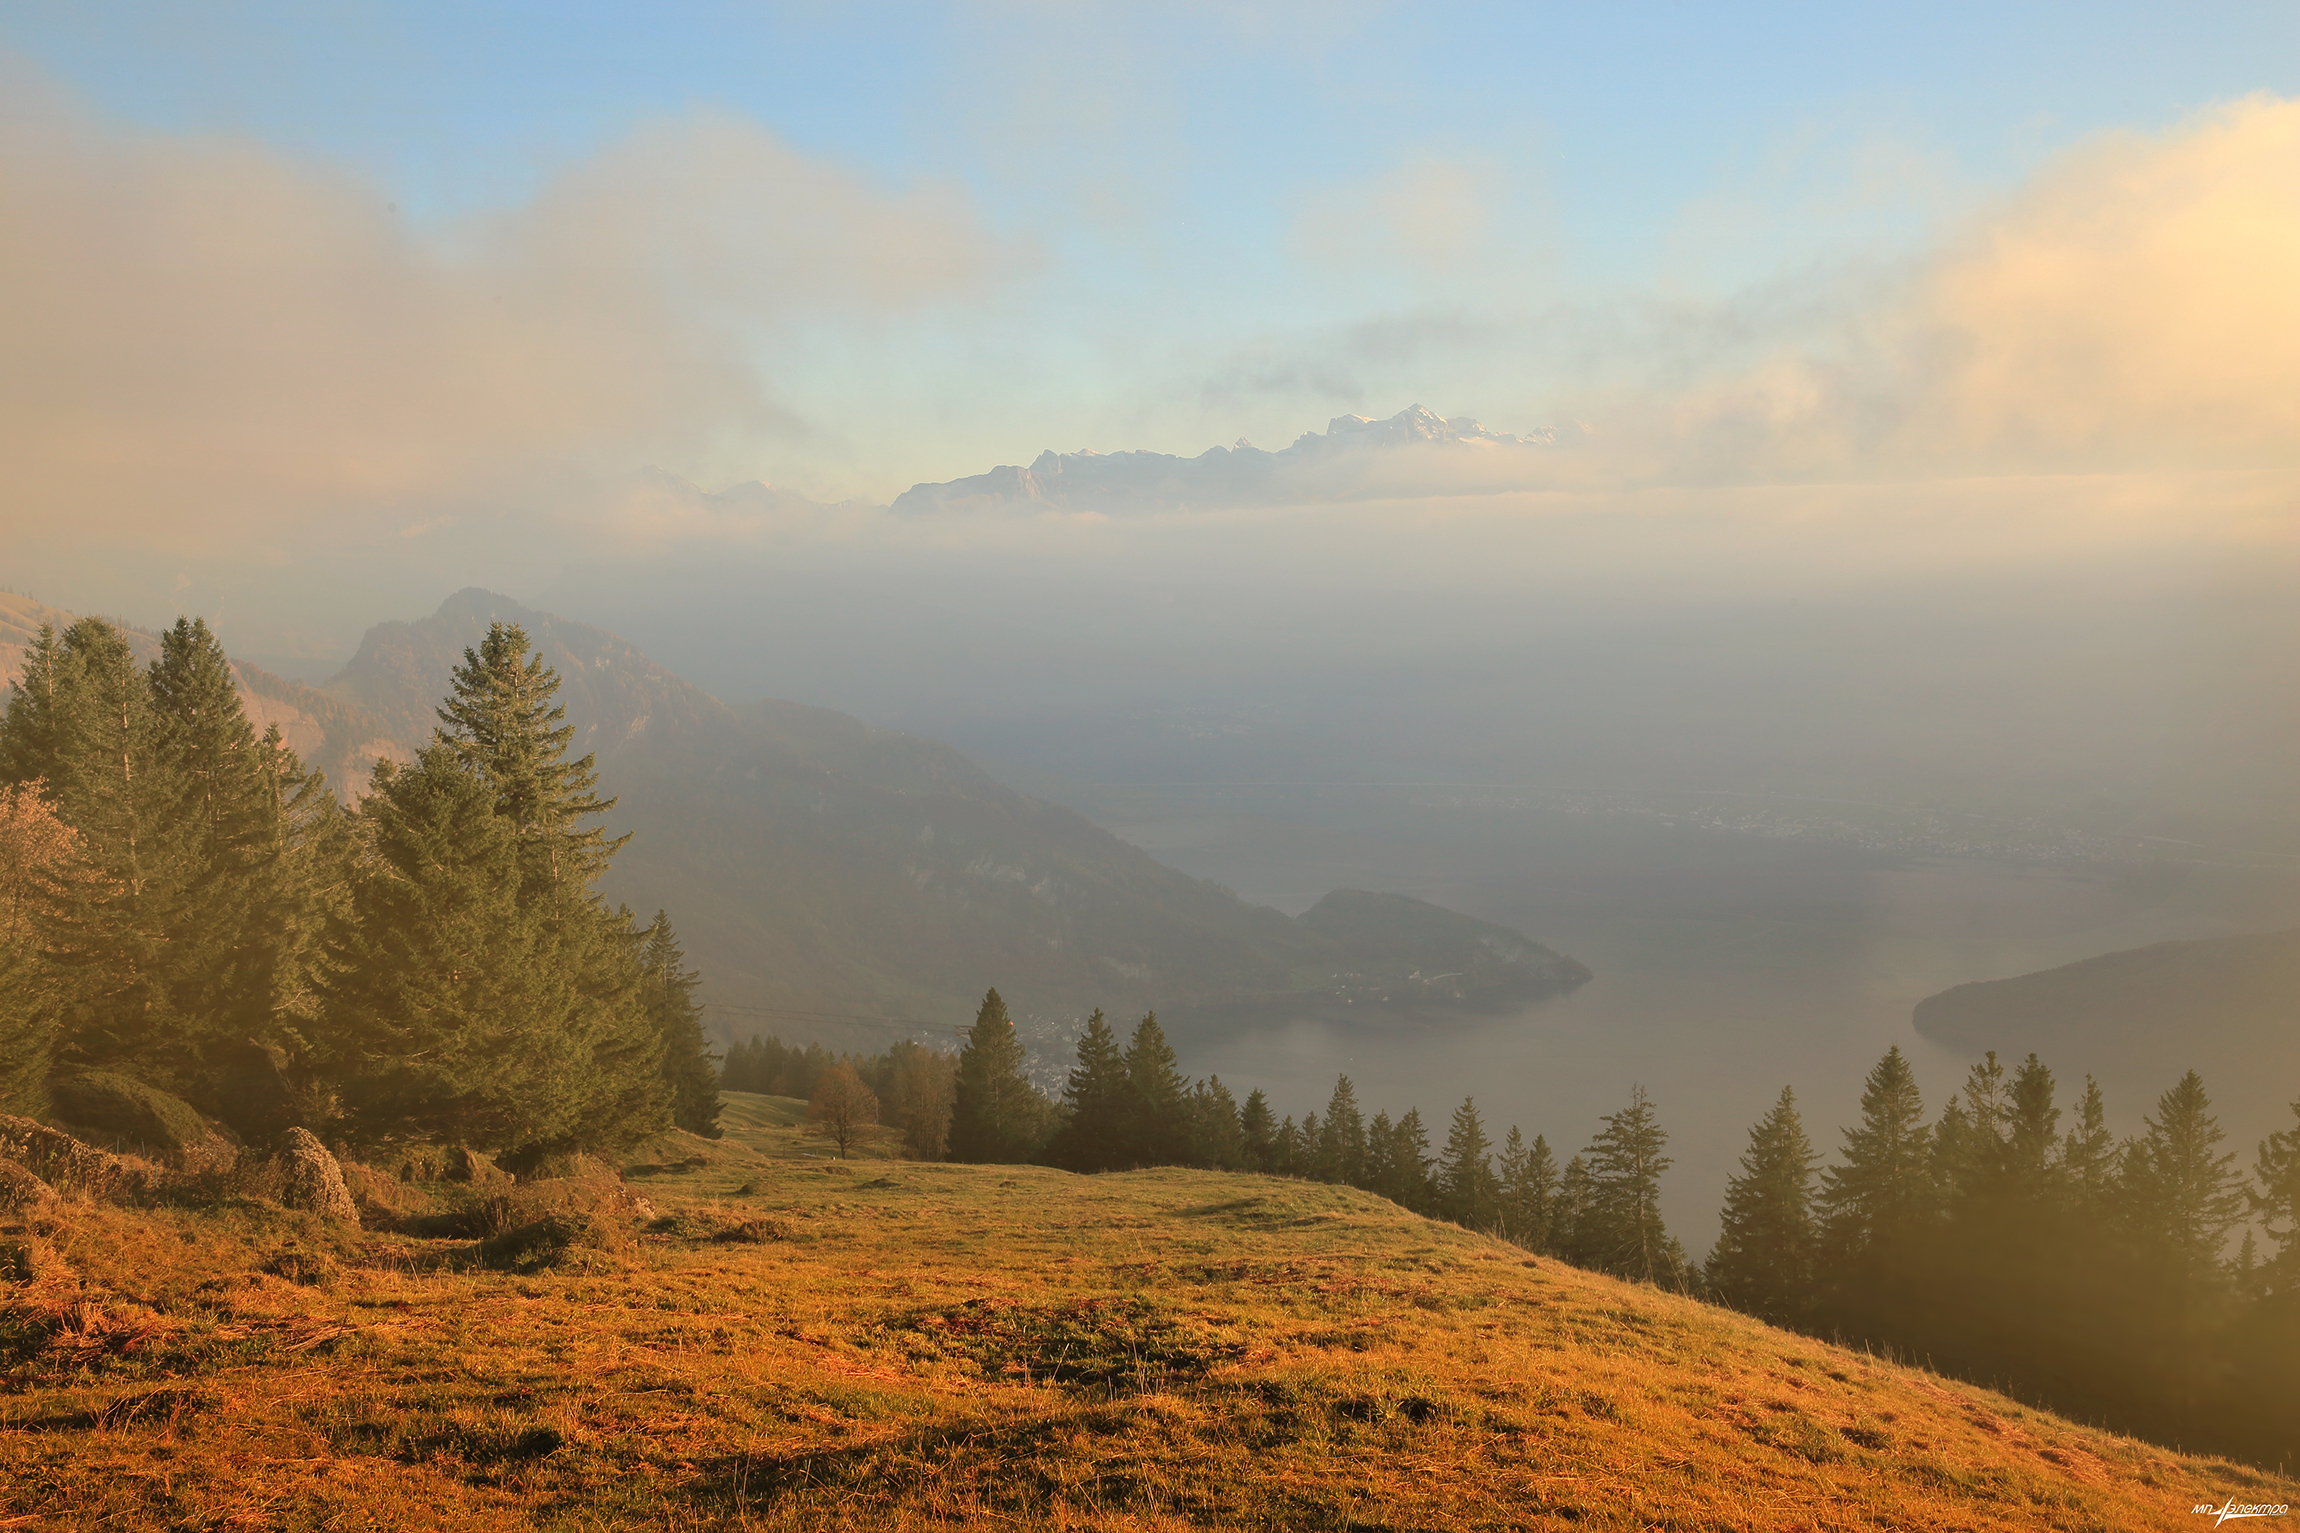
773, 1340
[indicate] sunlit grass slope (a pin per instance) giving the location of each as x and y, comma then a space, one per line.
786, 1342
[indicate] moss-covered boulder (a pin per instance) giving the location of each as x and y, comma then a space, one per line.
127, 1113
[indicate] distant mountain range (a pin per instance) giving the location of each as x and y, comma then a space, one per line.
817, 867
1355, 457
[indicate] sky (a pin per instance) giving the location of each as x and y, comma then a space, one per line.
416, 281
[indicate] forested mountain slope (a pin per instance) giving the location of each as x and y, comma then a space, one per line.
2225, 1007
818, 864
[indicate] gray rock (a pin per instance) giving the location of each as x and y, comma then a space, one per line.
310, 1179
21, 1192
68, 1165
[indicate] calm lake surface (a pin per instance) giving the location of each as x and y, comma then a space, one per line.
1727, 964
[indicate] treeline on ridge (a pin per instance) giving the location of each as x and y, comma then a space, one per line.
2073, 1269
189, 920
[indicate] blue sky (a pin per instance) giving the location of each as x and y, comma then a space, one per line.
1213, 221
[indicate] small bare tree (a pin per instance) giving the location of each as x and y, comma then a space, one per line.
842, 1107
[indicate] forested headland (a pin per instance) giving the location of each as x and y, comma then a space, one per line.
192, 927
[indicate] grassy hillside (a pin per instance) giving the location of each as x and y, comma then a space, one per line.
770, 1340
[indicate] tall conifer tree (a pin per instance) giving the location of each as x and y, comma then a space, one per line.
1157, 1117
669, 996
1763, 1260
1259, 1133
1094, 1103
1625, 1166
995, 1112
1342, 1137
1465, 1171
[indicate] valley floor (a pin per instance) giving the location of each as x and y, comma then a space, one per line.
770, 1340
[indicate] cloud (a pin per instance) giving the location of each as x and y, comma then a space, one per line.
2131, 308
206, 338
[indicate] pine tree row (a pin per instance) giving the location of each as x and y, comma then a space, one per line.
186, 909
2069, 1266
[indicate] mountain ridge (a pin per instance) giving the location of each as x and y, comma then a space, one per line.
814, 863
1332, 464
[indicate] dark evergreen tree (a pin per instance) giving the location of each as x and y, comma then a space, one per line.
1763, 1260
39, 860
1570, 1233
2182, 1194
1623, 1217
503, 723
1380, 1169
1341, 1148
1466, 1190
2088, 1159
1882, 1194
1259, 1134
1156, 1121
1093, 1132
1409, 1164
996, 1114
689, 1071
1217, 1138
442, 982
1528, 1186
81, 722
2275, 1202
1287, 1157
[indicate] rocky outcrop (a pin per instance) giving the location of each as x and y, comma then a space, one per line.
67, 1165
464, 1164
129, 1114
21, 1192
310, 1179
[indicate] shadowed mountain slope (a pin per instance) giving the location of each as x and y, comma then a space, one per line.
2229, 1007
816, 864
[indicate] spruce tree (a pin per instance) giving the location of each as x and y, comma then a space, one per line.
1342, 1137
444, 985
995, 1113
1259, 1134
1624, 1213
669, 996
1763, 1261
2088, 1158
1286, 1152
1410, 1163
1157, 1116
1217, 1138
1381, 1167
2275, 1202
39, 861
2032, 1137
1094, 1104
502, 722
82, 722
1882, 1194
2183, 1194
1570, 1232
1528, 1184
1465, 1171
